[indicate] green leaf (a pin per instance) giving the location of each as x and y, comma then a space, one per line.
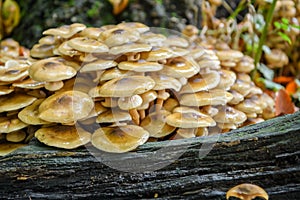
285, 20
285, 27
285, 37
295, 26
270, 84
266, 71
277, 25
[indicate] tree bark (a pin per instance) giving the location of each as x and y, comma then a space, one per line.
266, 154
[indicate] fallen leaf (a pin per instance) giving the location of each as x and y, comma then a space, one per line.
283, 79
291, 87
118, 6
283, 103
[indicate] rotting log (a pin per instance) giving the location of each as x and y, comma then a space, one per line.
266, 154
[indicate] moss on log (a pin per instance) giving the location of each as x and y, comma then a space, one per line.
266, 154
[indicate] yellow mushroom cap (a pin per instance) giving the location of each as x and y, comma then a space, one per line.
126, 86
42, 50
181, 67
228, 114
5, 90
200, 82
118, 36
98, 65
115, 72
203, 98
140, 66
30, 114
155, 124
189, 120
65, 31
130, 48
87, 45
158, 53
163, 82
29, 84
113, 115
247, 191
119, 139
15, 101
50, 69
66, 137
6, 148
16, 136
66, 107
140, 27
127, 103
10, 124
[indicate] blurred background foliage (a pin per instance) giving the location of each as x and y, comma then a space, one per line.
37, 16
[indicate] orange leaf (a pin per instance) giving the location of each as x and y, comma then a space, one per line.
291, 87
118, 6
283, 103
283, 79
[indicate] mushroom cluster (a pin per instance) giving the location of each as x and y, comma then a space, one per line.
118, 86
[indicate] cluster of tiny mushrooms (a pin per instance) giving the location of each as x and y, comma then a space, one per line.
118, 86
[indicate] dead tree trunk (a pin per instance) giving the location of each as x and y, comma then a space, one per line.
266, 154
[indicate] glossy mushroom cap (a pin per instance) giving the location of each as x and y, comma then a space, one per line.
247, 191
15, 101
66, 107
65, 31
66, 137
125, 86
50, 69
119, 139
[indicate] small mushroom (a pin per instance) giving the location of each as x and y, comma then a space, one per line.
29, 114
115, 72
155, 124
247, 191
113, 116
180, 67
66, 50
15, 101
276, 58
200, 82
29, 84
119, 139
131, 104
189, 120
140, 27
246, 65
248, 106
125, 86
228, 78
203, 98
66, 137
4, 90
65, 31
157, 54
183, 133
87, 45
177, 41
140, 66
16, 136
7, 148
42, 50
98, 65
153, 39
50, 69
229, 115
147, 98
66, 107
10, 124
129, 48
118, 36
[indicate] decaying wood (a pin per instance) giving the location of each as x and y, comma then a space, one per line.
266, 154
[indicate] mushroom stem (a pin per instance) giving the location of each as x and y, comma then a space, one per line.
159, 101
135, 116
142, 114
133, 56
98, 76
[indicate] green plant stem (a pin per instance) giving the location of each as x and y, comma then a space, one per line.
264, 33
241, 6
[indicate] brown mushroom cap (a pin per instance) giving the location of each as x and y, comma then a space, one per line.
127, 103
140, 66
42, 50
65, 31
115, 72
119, 139
163, 82
231, 55
177, 41
15, 101
29, 84
98, 65
126, 86
65, 49
247, 191
246, 64
5, 90
141, 28
227, 79
91, 32
182, 133
30, 114
7, 148
276, 58
16, 136
87, 45
10, 124
153, 39
66, 137
189, 120
248, 106
237, 97
155, 124
181, 67
228, 114
201, 81
118, 36
130, 48
157, 54
113, 115
13, 70
212, 97
66, 107
50, 70
147, 97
